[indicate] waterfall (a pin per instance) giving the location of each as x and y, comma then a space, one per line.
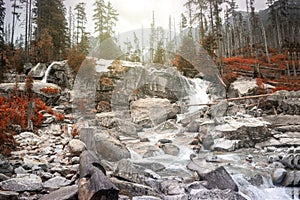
44, 80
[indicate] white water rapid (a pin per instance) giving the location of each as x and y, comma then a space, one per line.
45, 78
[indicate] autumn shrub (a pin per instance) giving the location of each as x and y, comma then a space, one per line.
49, 90
75, 59
17, 109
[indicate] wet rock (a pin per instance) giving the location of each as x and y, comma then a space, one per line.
9, 195
170, 149
249, 131
152, 111
20, 170
152, 165
219, 179
207, 142
242, 87
63, 193
129, 171
151, 153
5, 167
164, 141
222, 144
76, 147
56, 182
3, 177
171, 187
256, 180
278, 175
288, 161
106, 119
133, 189
22, 183
225, 194
219, 110
109, 147
87, 137
145, 198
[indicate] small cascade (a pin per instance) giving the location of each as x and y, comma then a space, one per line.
267, 191
45, 78
198, 94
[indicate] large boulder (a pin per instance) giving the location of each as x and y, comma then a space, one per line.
247, 131
219, 179
110, 148
26, 182
152, 111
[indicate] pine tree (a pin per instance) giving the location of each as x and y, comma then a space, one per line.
105, 17
50, 16
82, 37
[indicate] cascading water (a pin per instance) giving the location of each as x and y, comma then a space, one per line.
267, 191
45, 78
198, 94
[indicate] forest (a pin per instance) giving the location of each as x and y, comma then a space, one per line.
263, 44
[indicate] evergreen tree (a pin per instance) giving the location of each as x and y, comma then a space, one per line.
110, 20
105, 18
99, 18
50, 16
80, 20
81, 34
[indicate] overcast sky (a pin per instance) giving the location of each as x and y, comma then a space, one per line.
133, 14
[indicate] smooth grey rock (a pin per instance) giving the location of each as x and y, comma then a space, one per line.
278, 175
129, 171
165, 141
76, 147
20, 170
216, 194
87, 136
171, 187
56, 182
8, 195
170, 149
109, 148
145, 198
5, 166
106, 119
176, 197
218, 110
64, 193
221, 144
153, 166
23, 183
219, 179
151, 111
207, 142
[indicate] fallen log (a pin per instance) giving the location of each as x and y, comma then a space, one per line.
93, 183
232, 99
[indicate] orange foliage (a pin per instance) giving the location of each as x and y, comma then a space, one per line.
18, 109
75, 58
49, 90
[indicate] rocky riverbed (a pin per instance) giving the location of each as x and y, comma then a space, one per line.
142, 135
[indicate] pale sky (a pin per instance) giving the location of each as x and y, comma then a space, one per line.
133, 14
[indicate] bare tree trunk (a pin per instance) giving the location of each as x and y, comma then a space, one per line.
265, 42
